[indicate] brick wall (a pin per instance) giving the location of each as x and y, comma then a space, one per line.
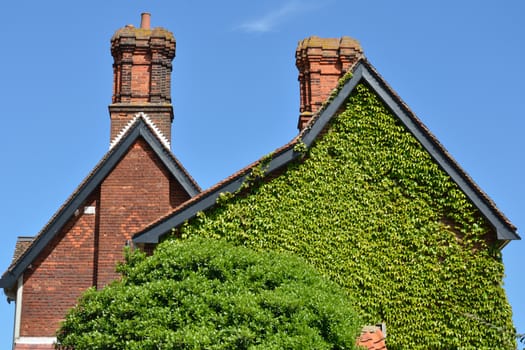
59, 275
137, 192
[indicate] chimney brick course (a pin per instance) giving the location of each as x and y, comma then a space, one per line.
142, 76
321, 63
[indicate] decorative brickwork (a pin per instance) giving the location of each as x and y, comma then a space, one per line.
148, 121
142, 76
321, 63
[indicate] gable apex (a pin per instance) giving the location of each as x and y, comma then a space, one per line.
505, 230
141, 115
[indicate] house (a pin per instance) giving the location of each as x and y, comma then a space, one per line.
364, 192
137, 181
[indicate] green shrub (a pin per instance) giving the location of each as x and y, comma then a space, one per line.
207, 294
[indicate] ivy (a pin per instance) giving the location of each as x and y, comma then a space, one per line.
369, 208
300, 147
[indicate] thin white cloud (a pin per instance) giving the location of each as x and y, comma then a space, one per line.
271, 20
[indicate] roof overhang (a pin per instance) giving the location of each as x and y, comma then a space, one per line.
363, 72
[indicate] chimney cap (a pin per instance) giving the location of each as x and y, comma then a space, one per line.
329, 43
145, 20
144, 31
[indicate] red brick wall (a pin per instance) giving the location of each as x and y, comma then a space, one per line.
137, 192
140, 73
58, 276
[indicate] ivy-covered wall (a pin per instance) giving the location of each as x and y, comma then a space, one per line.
368, 207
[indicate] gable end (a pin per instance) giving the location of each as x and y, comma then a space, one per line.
89, 185
504, 229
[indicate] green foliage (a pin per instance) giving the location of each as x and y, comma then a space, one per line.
369, 208
300, 147
207, 294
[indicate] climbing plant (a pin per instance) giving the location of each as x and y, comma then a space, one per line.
369, 208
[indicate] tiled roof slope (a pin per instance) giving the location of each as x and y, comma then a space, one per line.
141, 128
362, 72
22, 244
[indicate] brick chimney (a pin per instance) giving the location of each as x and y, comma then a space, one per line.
142, 76
321, 63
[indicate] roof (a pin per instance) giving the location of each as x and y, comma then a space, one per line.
372, 338
362, 72
22, 243
141, 127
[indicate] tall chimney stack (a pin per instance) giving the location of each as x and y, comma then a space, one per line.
321, 63
142, 76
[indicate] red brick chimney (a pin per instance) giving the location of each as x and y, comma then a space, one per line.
321, 63
142, 76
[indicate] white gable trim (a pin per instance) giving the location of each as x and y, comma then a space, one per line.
141, 115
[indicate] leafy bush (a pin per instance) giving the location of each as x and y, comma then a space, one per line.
207, 294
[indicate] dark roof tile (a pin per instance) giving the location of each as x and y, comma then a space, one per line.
22, 243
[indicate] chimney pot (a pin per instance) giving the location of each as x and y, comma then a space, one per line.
145, 20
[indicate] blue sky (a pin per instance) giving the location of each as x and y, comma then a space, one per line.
457, 64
